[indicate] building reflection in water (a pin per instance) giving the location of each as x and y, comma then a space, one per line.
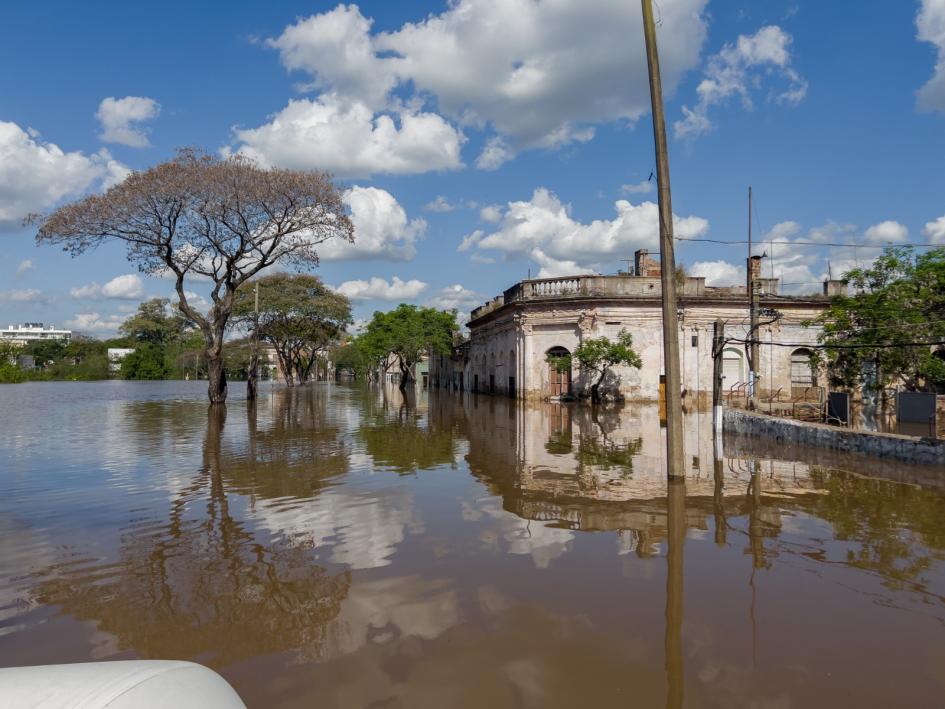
573, 468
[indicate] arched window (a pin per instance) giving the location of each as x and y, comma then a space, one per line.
802, 372
733, 370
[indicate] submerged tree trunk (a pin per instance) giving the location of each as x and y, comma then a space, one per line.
252, 377
595, 387
216, 373
216, 379
405, 375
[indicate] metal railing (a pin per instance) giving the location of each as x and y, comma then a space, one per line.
737, 387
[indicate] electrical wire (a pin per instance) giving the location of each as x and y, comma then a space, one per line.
841, 347
806, 243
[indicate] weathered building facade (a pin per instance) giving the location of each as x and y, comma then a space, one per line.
512, 335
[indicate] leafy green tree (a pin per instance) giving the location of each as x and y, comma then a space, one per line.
597, 356
83, 358
10, 373
408, 332
146, 362
898, 303
44, 352
298, 315
351, 356
155, 322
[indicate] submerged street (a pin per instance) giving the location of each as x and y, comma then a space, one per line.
343, 546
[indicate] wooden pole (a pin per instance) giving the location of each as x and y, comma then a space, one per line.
253, 375
674, 422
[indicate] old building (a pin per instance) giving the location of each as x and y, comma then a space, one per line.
512, 335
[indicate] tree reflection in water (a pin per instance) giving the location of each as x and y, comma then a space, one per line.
202, 584
400, 437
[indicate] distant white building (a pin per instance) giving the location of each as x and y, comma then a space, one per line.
31, 331
116, 355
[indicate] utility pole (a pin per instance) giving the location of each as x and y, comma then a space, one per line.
718, 346
753, 319
253, 376
674, 422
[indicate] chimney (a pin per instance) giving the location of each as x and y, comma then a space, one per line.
645, 266
754, 270
834, 288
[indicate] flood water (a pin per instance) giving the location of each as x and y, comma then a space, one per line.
338, 546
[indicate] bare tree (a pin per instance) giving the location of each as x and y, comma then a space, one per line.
201, 217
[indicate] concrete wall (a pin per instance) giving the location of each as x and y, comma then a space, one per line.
918, 451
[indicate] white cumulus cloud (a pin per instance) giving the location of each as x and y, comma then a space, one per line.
543, 230
527, 74
349, 139
35, 175
439, 205
717, 273
888, 232
127, 287
382, 229
122, 119
542, 74
22, 295
457, 297
644, 187
337, 49
491, 213
935, 231
379, 289
25, 265
930, 23
738, 70
94, 322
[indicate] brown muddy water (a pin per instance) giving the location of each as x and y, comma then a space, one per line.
337, 546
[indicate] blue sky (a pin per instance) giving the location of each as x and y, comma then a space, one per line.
482, 141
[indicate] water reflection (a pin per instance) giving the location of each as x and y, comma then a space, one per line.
352, 547
201, 584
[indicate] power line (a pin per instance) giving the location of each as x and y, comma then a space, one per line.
809, 346
808, 243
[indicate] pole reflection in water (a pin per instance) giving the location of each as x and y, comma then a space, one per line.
676, 541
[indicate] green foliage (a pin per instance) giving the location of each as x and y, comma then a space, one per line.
298, 316
897, 301
599, 354
82, 358
561, 362
146, 362
409, 332
351, 356
155, 322
10, 373
601, 452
